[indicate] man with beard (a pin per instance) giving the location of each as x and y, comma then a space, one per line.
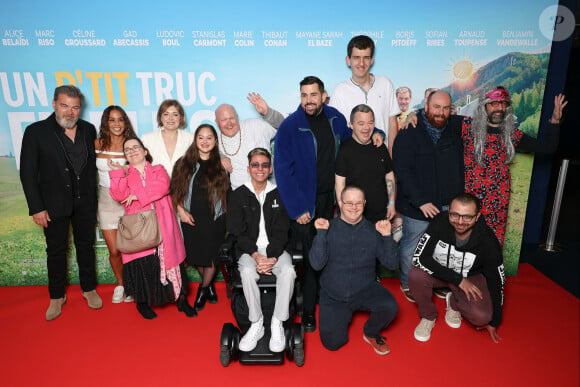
304, 157
58, 174
459, 251
428, 161
490, 143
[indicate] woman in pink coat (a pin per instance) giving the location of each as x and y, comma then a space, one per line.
155, 276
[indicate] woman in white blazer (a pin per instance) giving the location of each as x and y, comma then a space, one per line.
167, 144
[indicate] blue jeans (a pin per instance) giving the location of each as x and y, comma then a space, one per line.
413, 229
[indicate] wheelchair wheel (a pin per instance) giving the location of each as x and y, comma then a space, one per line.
299, 355
229, 340
225, 356
295, 345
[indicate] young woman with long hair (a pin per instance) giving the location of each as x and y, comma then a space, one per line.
199, 189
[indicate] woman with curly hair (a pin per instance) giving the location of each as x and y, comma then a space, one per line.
199, 189
115, 128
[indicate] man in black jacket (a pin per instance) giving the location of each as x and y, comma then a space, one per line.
428, 162
258, 219
460, 251
58, 174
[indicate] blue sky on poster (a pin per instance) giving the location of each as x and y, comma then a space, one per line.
272, 71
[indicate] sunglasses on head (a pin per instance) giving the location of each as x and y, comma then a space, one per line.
499, 95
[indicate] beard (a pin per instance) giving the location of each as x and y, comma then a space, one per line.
437, 120
496, 117
65, 123
316, 109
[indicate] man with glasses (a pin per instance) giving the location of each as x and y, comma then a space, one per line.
346, 249
58, 174
258, 219
459, 251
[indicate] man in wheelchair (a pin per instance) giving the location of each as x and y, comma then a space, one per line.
258, 220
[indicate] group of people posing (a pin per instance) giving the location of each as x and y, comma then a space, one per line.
433, 203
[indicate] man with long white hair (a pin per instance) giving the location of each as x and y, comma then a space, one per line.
490, 143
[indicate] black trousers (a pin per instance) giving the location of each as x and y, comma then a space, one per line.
83, 220
305, 234
335, 316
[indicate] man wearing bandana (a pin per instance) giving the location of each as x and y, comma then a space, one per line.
489, 144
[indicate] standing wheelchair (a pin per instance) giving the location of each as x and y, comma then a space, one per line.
231, 334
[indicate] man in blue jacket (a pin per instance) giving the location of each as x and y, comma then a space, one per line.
304, 156
346, 250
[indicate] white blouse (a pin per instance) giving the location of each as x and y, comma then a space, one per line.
153, 141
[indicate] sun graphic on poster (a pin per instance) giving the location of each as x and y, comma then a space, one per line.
461, 70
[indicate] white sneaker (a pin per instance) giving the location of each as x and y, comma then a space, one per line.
423, 330
277, 339
129, 299
118, 294
452, 317
252, 336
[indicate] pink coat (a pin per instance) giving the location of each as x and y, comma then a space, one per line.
156, 189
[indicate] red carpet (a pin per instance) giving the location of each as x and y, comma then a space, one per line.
115, 346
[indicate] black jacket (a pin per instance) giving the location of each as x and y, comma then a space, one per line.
427, 172
48, 178
437, 254
243, 221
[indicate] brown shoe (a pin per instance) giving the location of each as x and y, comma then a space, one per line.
407, 293
55, 308
93, 299
379, 345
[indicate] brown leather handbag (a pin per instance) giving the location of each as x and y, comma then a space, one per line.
138, 232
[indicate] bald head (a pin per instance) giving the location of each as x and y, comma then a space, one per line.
226, 119
438, 108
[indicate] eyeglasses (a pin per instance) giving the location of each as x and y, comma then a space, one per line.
133, 149
354, 204
466, 217
496, 104
264, 165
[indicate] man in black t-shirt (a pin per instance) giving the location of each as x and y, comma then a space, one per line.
362, 164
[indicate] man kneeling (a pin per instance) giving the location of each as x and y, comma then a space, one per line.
258, 219
459, 251
346, 249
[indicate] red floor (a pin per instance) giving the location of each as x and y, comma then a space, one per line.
116, 347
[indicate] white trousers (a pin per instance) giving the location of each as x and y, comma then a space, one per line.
285, 275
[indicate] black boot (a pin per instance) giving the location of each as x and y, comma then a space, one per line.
211, 294
146, 311
201, 298
183, 306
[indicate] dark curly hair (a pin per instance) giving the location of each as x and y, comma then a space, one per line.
105, 133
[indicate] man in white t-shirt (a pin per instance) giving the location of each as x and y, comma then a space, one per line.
237, 138
377, 91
